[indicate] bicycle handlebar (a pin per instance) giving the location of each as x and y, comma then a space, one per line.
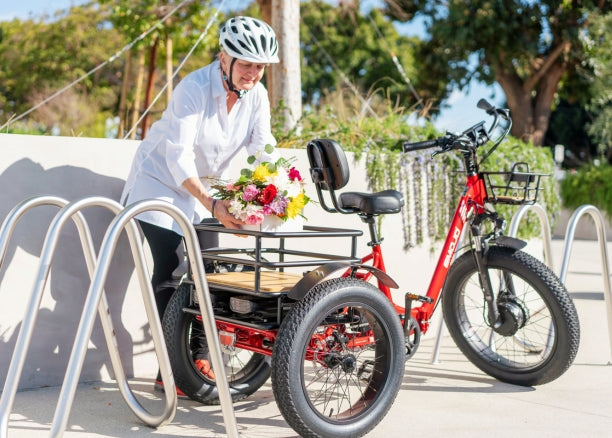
471, 138
419, 145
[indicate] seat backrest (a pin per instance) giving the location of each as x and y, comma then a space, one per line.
328, 164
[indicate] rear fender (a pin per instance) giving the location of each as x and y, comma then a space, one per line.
323, 272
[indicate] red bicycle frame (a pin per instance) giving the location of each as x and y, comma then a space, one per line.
471, 203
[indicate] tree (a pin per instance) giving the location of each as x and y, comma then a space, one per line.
529, 47
286, 75
340, 42
38, 59
599, 47
178, 33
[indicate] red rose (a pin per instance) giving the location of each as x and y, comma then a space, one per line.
267, 195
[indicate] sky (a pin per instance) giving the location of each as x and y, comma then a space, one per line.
461, 113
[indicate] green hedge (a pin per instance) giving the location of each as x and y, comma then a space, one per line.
588, 185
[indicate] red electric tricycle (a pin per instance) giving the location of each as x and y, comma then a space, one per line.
323, 325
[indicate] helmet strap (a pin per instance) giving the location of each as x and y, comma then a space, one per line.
230, 82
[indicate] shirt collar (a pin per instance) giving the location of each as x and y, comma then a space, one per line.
217, 82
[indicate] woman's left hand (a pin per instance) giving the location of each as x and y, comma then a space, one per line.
225, 217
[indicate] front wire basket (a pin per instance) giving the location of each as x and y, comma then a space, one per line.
517, 187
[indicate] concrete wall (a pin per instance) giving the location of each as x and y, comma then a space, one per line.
75, 168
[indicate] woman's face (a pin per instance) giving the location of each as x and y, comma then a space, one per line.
245, 74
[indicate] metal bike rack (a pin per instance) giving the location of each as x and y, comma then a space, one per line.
544, 223
567, 246
602, 239
96, 298
435, 354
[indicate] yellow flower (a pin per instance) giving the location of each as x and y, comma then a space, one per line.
260, 173
296, 205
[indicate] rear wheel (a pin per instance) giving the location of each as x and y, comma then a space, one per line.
538, 335
338, 360
246, 371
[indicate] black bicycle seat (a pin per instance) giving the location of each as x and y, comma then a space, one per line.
385, 202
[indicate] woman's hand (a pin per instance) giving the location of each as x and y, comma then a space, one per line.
227, 219
217, 207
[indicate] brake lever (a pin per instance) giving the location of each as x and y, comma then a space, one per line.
466, 145
447, 141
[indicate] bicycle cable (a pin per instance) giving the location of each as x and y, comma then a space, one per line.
398, 65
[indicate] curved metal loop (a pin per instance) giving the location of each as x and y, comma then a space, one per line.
96, 298
546, 234
23, 342
11, 219
201, 287
602, 239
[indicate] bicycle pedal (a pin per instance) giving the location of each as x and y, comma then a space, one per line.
416, 297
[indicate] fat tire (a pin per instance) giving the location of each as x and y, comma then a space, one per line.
289, 365
472, 338
176, 326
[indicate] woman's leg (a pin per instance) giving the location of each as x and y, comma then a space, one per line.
168, 252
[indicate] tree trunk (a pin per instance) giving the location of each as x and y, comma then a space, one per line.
123, 115
169, 69
137, 93
547, 89
150, 82
519, 103
530, 99
285, 85
265, 6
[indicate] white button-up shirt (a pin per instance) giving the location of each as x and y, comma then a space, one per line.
196, 137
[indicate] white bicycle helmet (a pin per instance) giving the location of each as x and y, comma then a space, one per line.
249, 39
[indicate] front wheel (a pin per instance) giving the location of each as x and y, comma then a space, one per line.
537, 336
338, 360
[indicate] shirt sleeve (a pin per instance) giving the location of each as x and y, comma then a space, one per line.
262, 130
183, 120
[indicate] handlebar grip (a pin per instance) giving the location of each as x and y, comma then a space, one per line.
416, 146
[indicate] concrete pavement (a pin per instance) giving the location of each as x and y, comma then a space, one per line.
450, 398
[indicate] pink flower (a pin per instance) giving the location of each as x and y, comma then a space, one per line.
294, 174
255, 218
250, 192
276, 208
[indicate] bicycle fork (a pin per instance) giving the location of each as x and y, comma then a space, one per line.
481, 246
480, 255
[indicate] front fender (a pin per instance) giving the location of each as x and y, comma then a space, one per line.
510, 242
321, 273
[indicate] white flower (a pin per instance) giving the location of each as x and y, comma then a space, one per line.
280, 180
236, 208
294, 189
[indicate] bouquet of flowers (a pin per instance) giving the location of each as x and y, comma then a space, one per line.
266, 189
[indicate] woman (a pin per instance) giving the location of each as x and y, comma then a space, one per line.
214, 112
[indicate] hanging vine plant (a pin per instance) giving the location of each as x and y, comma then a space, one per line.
431, 187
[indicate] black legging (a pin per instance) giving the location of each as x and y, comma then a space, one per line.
168, 252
